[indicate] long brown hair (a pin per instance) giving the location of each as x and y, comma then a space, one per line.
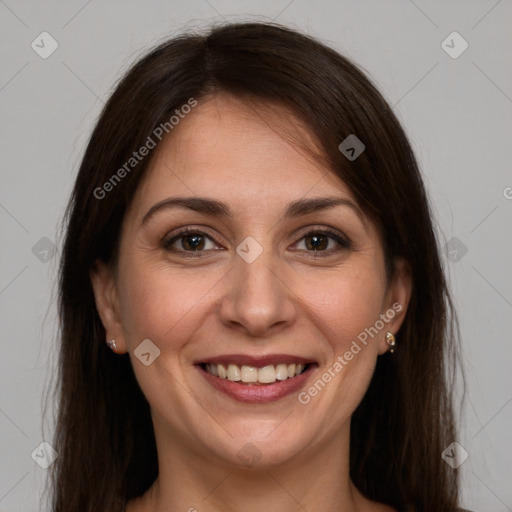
104, 434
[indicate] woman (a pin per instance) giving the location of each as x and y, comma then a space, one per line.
254, 313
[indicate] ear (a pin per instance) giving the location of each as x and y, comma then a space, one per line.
107, 303
396, 302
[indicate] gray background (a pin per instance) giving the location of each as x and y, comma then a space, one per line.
457, 112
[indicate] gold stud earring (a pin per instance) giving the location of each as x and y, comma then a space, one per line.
112, 345
391, 341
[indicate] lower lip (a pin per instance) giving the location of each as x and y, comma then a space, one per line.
260, 393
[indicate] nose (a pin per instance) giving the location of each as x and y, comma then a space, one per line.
258, 300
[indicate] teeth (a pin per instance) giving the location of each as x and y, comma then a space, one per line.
282, 372
234, 372
221, 369
251, 374
267, 374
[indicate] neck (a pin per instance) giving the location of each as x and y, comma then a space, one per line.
316, 479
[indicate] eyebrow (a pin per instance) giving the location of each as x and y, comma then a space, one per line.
216, 208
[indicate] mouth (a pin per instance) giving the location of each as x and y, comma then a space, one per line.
256, 379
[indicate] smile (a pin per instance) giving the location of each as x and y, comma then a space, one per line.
256, 379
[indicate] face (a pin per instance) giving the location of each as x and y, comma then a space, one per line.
242, 256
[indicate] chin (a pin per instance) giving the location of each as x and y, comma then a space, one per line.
259, 451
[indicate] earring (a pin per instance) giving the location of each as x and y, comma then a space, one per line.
391, 341
112, 345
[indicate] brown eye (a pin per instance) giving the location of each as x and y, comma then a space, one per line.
321, 240
189, 241
316, 242
195, 242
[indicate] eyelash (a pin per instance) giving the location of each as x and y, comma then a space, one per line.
344, 242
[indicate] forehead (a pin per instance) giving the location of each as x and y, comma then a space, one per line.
249, 154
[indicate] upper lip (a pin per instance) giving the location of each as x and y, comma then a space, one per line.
258, 361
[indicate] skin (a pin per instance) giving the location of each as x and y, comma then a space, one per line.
291, 299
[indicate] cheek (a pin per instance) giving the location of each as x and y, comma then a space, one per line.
166, 307
159, 304
345, 307
345, 310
